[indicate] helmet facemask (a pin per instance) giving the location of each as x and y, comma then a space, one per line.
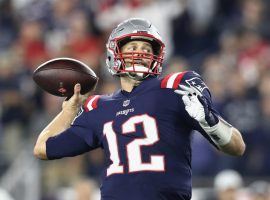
138, 65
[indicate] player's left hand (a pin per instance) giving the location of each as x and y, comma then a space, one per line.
197, 106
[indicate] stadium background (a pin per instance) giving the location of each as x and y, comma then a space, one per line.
227, 41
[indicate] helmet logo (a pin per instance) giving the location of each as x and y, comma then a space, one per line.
116, 64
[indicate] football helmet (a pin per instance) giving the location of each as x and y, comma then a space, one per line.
140, 30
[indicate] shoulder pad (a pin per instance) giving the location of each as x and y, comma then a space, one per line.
172, 80
91, 103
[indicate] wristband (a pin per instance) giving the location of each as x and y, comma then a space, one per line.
220, 134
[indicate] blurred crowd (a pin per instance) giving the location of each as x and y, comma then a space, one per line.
226, 41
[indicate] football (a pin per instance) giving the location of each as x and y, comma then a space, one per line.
58, 76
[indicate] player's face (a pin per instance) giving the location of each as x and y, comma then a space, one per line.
137, 53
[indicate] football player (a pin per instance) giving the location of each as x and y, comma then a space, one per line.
145, 127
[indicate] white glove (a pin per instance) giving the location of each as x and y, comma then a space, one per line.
192, 104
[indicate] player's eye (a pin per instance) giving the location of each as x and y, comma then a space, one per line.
132, 48
147, 49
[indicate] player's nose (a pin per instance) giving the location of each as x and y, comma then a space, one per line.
138, 53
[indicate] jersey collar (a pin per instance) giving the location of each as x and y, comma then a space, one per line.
138, 89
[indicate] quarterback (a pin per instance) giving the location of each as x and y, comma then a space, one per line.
144, 127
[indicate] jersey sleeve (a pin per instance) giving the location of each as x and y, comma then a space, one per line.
66, 144
77, 139
190, 78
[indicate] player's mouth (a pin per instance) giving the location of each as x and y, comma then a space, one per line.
136, 62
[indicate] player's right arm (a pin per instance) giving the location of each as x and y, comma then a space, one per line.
196, 97
197, 101
60, 124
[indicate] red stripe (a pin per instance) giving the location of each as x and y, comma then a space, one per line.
87, 101
94, 103
165, 80
178, 80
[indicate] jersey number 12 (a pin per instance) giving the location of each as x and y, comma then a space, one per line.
133, 149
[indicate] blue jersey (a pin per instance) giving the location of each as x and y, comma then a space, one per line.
146, 137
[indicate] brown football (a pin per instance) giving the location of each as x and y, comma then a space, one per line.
58, 76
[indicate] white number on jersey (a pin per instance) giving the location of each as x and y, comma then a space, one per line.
133, 150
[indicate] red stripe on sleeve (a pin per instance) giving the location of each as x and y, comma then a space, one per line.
178, 80
94, 103
165, 80
86, 102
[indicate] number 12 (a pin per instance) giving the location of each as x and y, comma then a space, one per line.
133, 149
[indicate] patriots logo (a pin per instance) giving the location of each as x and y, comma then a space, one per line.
197, 83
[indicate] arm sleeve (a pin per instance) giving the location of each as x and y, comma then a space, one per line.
196, 126
66, 144
76, 140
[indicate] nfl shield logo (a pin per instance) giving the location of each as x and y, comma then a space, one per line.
126, 103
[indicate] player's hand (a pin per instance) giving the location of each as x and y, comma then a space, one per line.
196, 105
73, 103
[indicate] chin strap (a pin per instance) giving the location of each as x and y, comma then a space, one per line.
139, 73
136, 76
